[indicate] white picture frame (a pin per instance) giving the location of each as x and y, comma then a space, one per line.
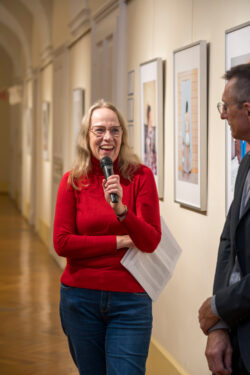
78, 113
131, 80
151, 119
190, 125
45, 130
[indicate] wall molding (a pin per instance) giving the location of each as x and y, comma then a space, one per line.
104, 10
161, 362
4, 187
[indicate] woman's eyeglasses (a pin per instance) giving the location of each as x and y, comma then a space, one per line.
100, 131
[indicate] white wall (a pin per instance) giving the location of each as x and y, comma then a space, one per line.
155, 29
80, 73
45, 178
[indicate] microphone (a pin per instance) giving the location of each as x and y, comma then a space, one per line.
107, 168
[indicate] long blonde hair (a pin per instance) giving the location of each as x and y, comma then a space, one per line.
128, 161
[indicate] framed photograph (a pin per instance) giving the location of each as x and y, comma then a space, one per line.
190, 125
78, 113
45, 129
130, 110
131, 135
237, 52
131, 77
151, 119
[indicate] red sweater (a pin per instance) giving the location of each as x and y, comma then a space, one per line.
85, 229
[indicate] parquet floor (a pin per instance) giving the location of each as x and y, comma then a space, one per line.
31, 338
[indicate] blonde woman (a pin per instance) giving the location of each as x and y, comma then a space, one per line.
105, 312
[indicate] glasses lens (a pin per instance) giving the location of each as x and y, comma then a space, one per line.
115, 131
220, 107
100, 131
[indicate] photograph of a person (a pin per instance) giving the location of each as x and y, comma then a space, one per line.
150, 153
105, 313
188, 126
151, 119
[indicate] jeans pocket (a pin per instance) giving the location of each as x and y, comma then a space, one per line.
65, 287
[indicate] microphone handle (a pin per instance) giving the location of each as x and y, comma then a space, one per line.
108, 171
114, 198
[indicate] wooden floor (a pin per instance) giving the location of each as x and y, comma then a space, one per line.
31, 338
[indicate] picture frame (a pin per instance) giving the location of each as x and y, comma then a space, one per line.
151, 119
130, 109
190, 125
131, 80
45, 129
237, 42
131, 135
78, 113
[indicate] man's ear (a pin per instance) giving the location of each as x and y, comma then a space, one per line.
247, 106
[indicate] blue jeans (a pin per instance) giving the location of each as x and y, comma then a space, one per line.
108, 332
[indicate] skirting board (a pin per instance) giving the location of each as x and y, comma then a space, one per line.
4, 187
160, 362
26, 210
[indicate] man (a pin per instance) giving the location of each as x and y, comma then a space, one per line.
225, 317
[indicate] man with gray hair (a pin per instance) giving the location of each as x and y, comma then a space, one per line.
225, 317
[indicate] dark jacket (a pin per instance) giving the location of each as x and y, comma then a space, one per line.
233, 302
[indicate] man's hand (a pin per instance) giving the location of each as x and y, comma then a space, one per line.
206, 316
219, 352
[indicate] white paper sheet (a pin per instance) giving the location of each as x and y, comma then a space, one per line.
154, 270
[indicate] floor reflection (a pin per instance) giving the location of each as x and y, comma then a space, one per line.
31, 340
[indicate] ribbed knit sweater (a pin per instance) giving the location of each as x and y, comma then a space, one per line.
85, 229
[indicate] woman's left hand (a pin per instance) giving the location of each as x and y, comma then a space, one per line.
112, 185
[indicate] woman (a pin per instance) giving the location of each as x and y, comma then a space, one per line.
105, 313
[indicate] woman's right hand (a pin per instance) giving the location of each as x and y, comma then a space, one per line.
124, 241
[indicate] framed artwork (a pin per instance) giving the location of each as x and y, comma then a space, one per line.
151, 118
45, 129
131, 77
131, 135
237, 52
190, 125
78, 112
130, 110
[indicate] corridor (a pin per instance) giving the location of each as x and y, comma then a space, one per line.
31, 338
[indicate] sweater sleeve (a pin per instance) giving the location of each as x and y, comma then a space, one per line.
67, 242
144, 227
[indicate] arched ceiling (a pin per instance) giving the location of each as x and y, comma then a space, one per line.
17, 18
6, 69
12, 47
17, 21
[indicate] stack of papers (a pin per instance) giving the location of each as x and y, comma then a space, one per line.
154, 270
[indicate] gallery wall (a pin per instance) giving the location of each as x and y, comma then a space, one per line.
162, 27
155, 28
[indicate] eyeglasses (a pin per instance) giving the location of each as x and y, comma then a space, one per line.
100, 131
222, 107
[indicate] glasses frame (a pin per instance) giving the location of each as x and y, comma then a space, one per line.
109, 130
222, 107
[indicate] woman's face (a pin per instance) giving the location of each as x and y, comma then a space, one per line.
105, 134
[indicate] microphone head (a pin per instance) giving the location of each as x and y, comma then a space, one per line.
105, 161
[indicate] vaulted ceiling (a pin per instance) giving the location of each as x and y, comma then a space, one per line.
17, 21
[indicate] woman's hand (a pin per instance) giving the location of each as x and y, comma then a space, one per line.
112, 185
124, 241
